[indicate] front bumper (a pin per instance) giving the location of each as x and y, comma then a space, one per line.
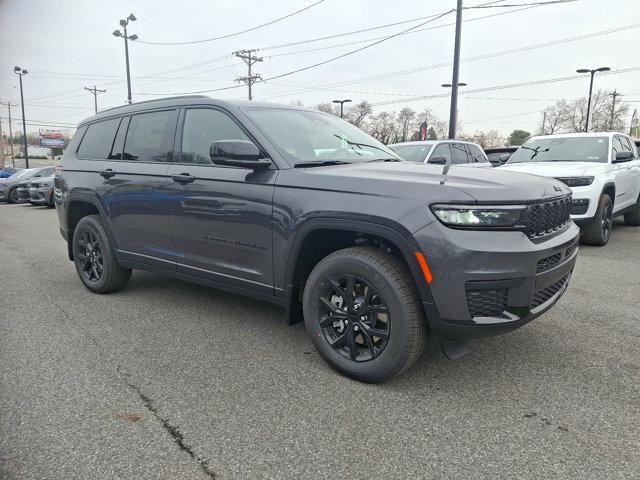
40, 196
488, 282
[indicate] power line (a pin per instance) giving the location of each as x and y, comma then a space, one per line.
553, 2
503, 87
470, 59
236, 33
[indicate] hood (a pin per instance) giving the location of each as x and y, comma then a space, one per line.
431, 183
555, 169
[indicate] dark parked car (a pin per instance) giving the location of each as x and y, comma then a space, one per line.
499, 155
302, 209
9, 186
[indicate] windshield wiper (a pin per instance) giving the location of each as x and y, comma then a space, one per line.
535, 150
320, 163
360, 145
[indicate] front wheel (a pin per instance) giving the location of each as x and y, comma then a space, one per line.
363, 313
13, 196
599, 230
95, 259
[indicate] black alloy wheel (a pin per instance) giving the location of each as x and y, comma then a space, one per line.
607, 220
13, 196
355, 318
90, 254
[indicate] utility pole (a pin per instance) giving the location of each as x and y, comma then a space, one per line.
20, 72
613, 106
117, 33
1, 145
248, 58
544, 122
453, 113
95, 91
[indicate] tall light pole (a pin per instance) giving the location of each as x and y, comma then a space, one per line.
118, 33
453, 112
592, 72
453, 116
342, 102
20, 72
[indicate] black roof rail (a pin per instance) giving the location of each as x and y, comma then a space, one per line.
154, 100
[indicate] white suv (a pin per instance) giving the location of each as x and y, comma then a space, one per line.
602, 169
442, 152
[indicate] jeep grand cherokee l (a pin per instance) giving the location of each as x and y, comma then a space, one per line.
602, 169
302, 209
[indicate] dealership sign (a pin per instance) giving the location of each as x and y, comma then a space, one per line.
51, 138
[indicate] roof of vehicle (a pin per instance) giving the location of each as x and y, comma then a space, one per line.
507, 148
429, 142
185, 100
579, 134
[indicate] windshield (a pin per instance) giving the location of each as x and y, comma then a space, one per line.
413, 153
563, 149
308, 138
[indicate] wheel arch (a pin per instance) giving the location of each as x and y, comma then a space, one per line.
610, 189
394, 238
78, 206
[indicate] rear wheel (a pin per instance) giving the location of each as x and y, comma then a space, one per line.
51, 203
94, 257
363, 313
632, 218
598, 231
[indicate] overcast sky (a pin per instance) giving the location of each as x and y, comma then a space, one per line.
67, 45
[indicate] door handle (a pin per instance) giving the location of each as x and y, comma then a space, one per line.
183, 178
108, 173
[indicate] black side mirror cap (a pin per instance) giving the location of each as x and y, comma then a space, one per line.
623, 157
237, 153
438, 160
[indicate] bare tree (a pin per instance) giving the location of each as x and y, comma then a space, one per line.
494, 139
405, 119
382, 126
358, 113
326, 107
556, 118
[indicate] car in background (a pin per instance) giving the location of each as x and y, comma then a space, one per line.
601, 168
7, 171
41, 192
442, 152
500, 155
9, 186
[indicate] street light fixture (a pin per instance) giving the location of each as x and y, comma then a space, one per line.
117, 33
592, 72
20, 72
342, 102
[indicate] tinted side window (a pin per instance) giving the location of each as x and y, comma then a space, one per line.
626, 144
459, 153
201, 128
616, 146
150, 137
442, 150
476, 154
118, 143
97, 141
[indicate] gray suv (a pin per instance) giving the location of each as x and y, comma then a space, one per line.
304, 210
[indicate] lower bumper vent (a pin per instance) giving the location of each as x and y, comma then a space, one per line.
486, 303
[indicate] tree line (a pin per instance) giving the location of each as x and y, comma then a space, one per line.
564, 116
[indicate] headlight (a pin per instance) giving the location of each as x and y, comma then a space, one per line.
576, 181
45, 185
478, 216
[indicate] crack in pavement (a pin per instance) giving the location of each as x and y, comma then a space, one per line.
174, 431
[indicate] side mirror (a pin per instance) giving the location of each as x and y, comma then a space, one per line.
504, 157
438, 160
623, 157
237, 153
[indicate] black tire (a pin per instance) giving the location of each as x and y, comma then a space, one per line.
12, 197
95, 259
51, 203
598, 231
389, 286
632, 218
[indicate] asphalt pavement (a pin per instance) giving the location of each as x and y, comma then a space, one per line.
169, 380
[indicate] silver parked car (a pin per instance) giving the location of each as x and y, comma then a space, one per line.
442, 152
9, 186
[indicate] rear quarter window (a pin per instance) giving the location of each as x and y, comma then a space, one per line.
98, 139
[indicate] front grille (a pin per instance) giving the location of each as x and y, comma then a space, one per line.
549, 262
486, 303
34, 185
579, 207
548, 217
544, 295
570, 250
